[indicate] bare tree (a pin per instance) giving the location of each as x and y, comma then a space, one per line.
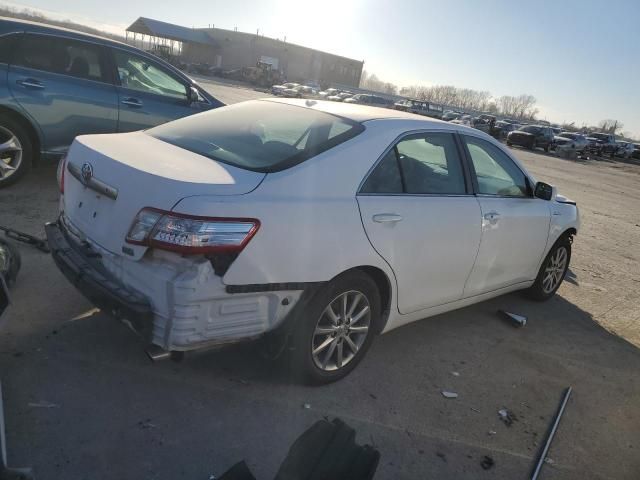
610, 126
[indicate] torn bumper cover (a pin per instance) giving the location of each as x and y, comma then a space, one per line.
177, 303
96, 284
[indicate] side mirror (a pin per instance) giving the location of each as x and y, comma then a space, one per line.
544, 191
192, 94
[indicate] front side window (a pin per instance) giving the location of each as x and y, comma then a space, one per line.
261, 135
138, 73
496, 173
62, 55
426, 163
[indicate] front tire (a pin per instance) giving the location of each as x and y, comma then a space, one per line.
335, 331
16, 151
552, 271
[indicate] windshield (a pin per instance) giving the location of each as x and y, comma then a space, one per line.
572, 136
261, 136
530, 129
600, 136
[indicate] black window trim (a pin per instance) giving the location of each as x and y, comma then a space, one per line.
468, 186
474, 178
104, 50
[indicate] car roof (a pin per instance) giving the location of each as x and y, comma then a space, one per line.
30, 26
353, 111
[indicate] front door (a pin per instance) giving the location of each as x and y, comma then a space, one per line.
515, 224
148, 93
65, 87
420, 217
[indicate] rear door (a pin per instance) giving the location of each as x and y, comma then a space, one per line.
515, 224
65, 86
149, 93
420, 216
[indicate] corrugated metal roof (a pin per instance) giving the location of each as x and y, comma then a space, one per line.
156, 28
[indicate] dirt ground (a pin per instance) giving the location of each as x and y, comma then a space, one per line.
82, 400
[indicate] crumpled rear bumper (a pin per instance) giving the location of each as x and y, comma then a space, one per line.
178, 303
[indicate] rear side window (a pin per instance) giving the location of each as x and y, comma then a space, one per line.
7, 45
426, 163
62, 55
262, 136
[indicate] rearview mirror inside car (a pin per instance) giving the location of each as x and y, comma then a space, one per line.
543, 191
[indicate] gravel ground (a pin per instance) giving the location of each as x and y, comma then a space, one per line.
106, 412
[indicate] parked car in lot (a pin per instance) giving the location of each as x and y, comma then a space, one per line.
532, 136
570, 141
419, 107
329, 92
372, 100
238, 226
56, 84
636, 151
466, 120
503, 128
450, 115
281, 89
624, 150
602, 144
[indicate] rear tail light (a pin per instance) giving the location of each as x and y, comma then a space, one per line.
60, 173
191, 234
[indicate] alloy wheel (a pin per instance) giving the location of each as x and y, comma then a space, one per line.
555, 269
10, 153
341, 331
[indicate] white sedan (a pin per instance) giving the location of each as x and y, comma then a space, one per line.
320, 223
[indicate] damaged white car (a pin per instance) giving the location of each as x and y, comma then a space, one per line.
321, 223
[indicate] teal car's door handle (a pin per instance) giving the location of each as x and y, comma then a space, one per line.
132, 102
30, 83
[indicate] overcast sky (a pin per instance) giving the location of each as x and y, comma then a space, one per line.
580, 59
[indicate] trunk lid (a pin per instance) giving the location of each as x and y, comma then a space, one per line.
139, 171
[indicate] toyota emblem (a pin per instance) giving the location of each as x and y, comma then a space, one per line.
87, 173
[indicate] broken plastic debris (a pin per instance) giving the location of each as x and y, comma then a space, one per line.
446, 394
487, 462
455, 374
306, 406
506, 416
515, 319
43, 404
492, 432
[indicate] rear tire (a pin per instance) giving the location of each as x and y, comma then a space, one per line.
326, 344
552, 271
509, 144
16, 151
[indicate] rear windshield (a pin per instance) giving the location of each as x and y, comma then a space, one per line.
530, 129
262, 136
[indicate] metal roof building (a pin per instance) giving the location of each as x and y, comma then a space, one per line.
230, 49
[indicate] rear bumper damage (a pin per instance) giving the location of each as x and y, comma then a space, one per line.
177, 303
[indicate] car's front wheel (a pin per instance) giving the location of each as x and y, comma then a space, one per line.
16, 151
335, 331
552, 271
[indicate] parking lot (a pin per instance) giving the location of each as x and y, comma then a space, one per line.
82, 399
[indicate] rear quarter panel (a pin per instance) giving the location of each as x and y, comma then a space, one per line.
311, 228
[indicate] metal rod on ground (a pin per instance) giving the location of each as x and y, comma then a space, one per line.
545, 450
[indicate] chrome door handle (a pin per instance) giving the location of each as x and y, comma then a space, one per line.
387, 218
132, 102
30, 83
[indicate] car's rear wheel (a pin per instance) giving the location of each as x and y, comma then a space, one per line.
509, 144
335, 331
16, 151
532, 145
552, 271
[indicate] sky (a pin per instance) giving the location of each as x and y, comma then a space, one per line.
579, 58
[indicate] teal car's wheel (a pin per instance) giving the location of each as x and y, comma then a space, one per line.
16, 151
